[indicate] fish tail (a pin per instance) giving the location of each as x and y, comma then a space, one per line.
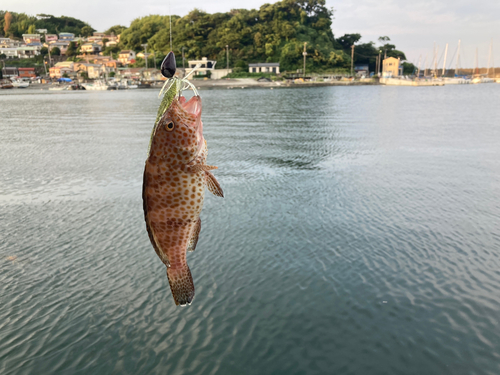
181, 284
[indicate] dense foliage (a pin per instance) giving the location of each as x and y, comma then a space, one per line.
273, 33
16, 24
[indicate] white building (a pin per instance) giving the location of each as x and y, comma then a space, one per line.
264, 68
205, 66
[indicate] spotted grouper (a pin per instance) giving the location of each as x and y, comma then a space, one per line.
175, 178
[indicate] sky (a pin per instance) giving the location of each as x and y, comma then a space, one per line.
413, 26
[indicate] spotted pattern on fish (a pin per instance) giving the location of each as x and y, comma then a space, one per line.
174, 190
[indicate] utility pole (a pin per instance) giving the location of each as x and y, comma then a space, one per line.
154, 58
183, 58
379, 62
352, 60
444, 63
44, 31
227, 58
418, 70
304, 54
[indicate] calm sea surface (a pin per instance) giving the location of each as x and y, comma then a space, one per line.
360, 234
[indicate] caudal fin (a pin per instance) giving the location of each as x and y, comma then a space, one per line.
181, 285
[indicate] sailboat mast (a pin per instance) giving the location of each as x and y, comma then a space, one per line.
477, 62
444, 63
489, 58
418, 71
435, 60
458, 58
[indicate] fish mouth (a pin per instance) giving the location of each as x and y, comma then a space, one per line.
192, 106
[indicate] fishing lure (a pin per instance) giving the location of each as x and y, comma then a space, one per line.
175, 177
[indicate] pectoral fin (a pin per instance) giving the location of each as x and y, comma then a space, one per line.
194, 237
213, 185
200, 167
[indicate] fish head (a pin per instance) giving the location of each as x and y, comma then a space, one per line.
179, 135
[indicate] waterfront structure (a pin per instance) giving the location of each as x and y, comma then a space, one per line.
362, 69
127, 56
26, 72
264, 68
219, 73
59, 71
205, 66
10, 71
391, 67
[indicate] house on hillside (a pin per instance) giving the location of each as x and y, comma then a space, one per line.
67, 36
31, 38
264, 68
126, 57
51, 38
90, 48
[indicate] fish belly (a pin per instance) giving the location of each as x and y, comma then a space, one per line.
173, 201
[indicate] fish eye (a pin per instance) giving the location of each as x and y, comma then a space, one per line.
170, 126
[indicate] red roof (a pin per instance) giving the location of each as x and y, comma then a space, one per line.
28, 69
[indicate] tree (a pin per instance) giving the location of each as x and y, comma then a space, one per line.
347, 40
86, 31
115, 30
55, 51
71, 51
3, 56
44, 51
409, 68
8, 19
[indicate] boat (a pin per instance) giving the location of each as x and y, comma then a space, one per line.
126, 84
456, 81
19, 84
97, 85
6, 84
483, 78
58, 88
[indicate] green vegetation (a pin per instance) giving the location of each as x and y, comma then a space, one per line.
116, 30
273, 33
16, 24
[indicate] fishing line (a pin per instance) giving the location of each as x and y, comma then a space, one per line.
170, 12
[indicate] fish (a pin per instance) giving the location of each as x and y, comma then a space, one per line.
175, 178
